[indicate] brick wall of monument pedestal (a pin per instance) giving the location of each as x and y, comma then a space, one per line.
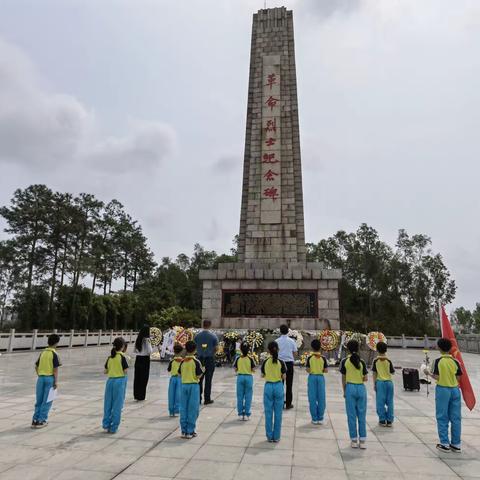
271, 277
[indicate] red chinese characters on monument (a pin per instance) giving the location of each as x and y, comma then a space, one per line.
271, 148
271, 193
271, 80
272, 102
270, 175
271, 125
269, 158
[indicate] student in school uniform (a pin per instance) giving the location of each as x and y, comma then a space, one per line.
190, 371
175, 383
245, 367
116, 368
448, 400
354, 375
383, 370
46, 368
274, 371
316, 366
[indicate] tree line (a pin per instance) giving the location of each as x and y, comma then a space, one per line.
78, 262
390, 289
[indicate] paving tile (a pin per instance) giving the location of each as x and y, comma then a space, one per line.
216, 452
251, 471
267, 456
362, 460
422, 465
175, 449
229, 440
156, 466
309, 458
208, 470
309, 473
464, 468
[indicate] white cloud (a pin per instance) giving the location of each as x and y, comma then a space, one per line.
40, 129
143, 149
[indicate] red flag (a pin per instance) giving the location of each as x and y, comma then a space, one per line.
464, 381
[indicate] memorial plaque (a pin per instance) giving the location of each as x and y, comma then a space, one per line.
275, 303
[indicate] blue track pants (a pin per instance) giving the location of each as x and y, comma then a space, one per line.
44, 384
316, 396
174, 388
273, 406
448, 410
189, 407
113, 403
244, 394
384, 400
356, 405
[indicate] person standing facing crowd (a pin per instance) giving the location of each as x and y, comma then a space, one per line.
143, 350
206, 342
287, 350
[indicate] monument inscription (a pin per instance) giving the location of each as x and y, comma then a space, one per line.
275, 303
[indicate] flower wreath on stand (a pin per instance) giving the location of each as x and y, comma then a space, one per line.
254, 339
156, 337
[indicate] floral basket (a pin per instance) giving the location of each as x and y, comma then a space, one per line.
373, 338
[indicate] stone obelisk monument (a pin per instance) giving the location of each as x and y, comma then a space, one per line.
272, 283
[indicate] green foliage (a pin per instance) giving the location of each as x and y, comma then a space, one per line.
466, 321
175, 316
394, 290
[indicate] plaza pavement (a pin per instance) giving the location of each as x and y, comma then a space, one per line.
148, 443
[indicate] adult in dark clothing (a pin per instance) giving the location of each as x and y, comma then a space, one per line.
207, 343
143, 350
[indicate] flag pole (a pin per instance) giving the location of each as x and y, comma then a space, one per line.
440, 317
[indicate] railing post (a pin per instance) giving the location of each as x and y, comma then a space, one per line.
131, 336
34, 339
121, 334
99, 338
404, 341
425, 341
10, 340
55, 330
86, 338
70, 344
111, 337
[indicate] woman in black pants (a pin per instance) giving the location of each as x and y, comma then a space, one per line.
143, 350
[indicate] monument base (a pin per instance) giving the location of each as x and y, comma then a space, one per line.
266, 295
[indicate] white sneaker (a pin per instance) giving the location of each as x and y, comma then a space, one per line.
240, 418
314, 422
363, 444
320, 422
246, 419
354, 444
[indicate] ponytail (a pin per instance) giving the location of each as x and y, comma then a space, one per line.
273, 349
353, 347
118, 345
